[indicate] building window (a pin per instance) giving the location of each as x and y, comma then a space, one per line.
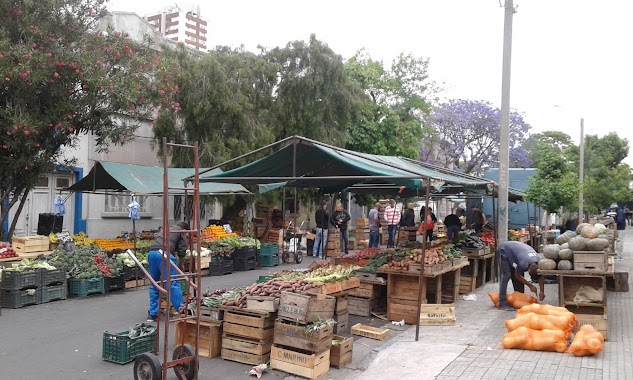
117, 203
41, 182
62, 183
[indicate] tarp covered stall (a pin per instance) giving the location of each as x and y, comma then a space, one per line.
146, 180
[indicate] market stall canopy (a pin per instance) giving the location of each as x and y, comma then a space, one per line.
146, 180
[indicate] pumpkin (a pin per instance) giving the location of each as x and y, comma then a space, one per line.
550, 251
589, 233
562, 239
565, 265
597, 244
546, 264
581, 226
571, 234
564, 246
577, 244
565, 254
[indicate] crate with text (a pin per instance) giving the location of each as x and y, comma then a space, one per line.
304, 364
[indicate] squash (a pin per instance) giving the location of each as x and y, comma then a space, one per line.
597, 244
589, 233
562, 239
581, 226
536, 340
546, 264
571, 234
587, 341
550, 251
565, 265
578, 243
542, 322
564, 246
565, 254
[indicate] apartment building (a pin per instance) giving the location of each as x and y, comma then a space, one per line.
177, 25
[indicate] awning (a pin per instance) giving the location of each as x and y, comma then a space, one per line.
146, 180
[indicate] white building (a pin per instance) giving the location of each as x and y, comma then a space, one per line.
101, 215
186, 27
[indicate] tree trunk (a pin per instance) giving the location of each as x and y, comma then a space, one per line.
14, 222
5, 212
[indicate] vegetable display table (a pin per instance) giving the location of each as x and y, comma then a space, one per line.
481, 269
402, 290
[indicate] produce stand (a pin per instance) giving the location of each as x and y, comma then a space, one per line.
481, 269
21, 256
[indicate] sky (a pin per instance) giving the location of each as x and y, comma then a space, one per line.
570, 59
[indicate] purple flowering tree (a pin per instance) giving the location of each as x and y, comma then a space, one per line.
464, 135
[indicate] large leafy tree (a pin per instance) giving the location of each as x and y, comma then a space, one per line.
395, 101
546, 144
554, 185
61, 78
465, 135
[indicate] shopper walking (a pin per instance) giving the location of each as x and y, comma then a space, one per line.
322, 219
339, 219
392, 216
177, 247
429, 221
517, 258
374, 226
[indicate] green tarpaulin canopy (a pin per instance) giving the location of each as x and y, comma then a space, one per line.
146, 180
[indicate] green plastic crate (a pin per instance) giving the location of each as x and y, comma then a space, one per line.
268, 261
264, 279
54, 293
82, 288
121, 349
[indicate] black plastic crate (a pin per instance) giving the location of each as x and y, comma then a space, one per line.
220, 268
54, 293
245, 264
111, 284
131, 273
53, 277
244, 253
121, 349
15, 299
26, 279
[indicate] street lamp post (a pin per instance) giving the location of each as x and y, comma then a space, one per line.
581, 173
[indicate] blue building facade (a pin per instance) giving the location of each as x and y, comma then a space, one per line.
517, 212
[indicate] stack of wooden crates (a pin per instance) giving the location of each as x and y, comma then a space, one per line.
368, 298
248, 335
333, 248
362, 233
299, 347
587, 313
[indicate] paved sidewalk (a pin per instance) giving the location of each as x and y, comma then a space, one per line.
472, 348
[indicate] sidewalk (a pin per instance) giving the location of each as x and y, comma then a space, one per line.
472, 348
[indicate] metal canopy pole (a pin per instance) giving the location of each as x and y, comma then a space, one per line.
495, 216
421, 275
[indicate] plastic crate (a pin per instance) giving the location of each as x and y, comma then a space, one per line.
26, 279
53, 277
244, 253
240, 265
131, 273
269, 249
83, 288
111, 284
15, 299
54, 293
264, 279
268, 261
221, 268
121, 349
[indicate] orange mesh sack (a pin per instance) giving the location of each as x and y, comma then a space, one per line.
517, 300
536, 340
540, 322
543, 309
494, 297
587, 341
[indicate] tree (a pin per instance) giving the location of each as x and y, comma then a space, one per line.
548, 143
62, 79
554, 186
395, 103
465, 135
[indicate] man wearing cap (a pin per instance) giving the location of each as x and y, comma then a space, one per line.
322, 219
517, 258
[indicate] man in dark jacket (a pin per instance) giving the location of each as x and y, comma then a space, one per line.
453, 225
620, 221
177, 247
516, 259
322, 219
339, 219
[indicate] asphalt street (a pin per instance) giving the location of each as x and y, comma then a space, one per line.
63, 339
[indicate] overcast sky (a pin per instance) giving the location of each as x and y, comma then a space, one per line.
570, 59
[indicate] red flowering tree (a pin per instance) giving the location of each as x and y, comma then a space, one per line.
61, 77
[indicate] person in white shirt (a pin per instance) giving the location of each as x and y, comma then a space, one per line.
392, 216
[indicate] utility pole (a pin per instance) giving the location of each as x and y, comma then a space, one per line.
504, 143
581, 174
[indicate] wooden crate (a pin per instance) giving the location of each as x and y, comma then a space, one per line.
244, 357
335, 252
475, 252
249, 346
591, 261
249, 324
341, 303
350, 283
402, 287
211, 314
329, 288
361, 306
209, 338
569, 285
290, 335
342, 323
260, 303
399, 309
599, 321
205, 262
369, 332
366, 290
305, 308
436, 315
341, 352
310, 366
467, 284
28, 244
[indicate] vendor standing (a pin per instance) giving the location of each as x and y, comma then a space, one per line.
453, 225
339, 219
517, 258
177, 247
392, 216
322, 219
479, 219
374, 226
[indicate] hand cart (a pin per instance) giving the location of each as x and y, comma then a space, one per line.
184, 360
296, 253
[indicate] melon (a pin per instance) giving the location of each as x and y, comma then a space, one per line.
546, 264
581, 226
589, 233
564, 246
550, 251
565, 265
600, 228
597, 244
578, 243
565, 254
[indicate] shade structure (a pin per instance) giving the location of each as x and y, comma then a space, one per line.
146, 180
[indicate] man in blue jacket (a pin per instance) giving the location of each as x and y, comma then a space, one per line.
620, 221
